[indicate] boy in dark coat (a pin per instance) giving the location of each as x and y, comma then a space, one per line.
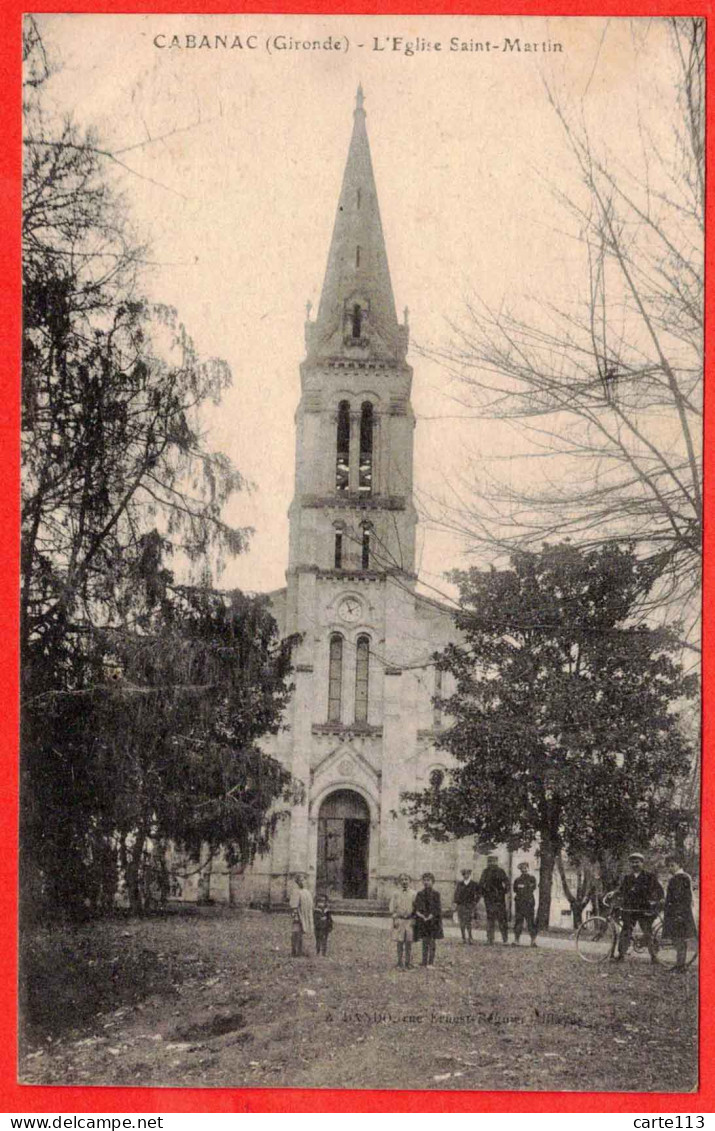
323, 923
466, 898
678, 921
428, 919
494, 886
524, 904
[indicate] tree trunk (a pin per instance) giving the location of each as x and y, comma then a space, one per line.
547, 860
132, 874
573, 900
578, 900
204, 885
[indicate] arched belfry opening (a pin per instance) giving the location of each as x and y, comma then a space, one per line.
343, 846
366, 444
342, 460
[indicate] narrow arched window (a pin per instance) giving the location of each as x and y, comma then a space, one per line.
366, 431
362, 678
436, 779
357, 256
359, 196
338, 549
366, 548
437, 717
335, 678
357, 320
342, 462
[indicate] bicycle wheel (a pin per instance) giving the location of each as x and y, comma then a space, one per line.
596, 939
666, 949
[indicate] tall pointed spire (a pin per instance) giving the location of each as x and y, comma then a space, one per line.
357, 316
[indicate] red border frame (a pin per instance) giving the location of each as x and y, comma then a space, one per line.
16, 1098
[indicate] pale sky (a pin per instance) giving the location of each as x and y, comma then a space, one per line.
236, 159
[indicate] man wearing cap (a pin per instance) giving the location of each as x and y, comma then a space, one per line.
494, 887
466, 897
402, 904
524, 904
638, 895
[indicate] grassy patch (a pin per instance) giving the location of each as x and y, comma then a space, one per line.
70, 975
217, 1001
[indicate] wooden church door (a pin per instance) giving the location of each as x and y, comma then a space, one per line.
343, 846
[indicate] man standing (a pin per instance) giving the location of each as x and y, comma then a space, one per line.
402, 904
524, 904
466, 897
494, 887
428, 919
638, 895
302, 908
678, 921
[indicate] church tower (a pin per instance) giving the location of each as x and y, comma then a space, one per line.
353, 511
360, 726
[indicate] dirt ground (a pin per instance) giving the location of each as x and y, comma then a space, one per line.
216, 1000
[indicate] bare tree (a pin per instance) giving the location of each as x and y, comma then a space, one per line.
605, 390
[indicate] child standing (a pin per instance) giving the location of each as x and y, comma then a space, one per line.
302, 919
402, 911
323, 923
428, 919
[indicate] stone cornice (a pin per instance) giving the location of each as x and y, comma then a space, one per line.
348, 730
351, 575
353, 501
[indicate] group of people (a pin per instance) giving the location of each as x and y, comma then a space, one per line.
417, 915
309, 920
638, 899
493, 888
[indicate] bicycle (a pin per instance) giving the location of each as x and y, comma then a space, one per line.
597, 938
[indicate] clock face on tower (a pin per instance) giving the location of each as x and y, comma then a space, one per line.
350, 609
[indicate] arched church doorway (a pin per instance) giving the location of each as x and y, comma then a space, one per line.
343, 845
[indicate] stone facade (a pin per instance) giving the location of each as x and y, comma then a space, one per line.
361, 725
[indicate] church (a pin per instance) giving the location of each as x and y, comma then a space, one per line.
361, 726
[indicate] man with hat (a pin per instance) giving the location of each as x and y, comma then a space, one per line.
638, 896
494, 887
524, 904
402, 904
466, 897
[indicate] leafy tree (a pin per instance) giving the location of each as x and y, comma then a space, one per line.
160, 746
112, 443
117, 478
563, 725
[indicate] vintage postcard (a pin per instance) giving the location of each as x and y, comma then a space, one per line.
362, 514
